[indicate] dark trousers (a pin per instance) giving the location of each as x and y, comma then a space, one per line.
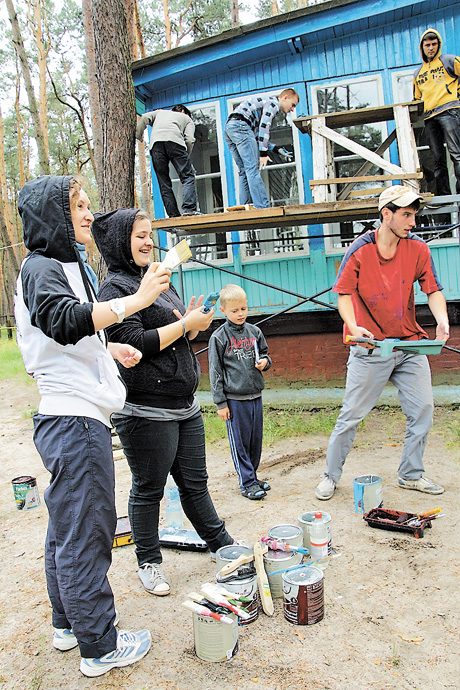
153, 449
77, 451
163, 153
441, 128
245, 434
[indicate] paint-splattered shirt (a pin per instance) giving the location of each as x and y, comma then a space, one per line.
382, 290
259, 113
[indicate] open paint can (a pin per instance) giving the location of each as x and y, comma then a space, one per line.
306, 520
227, 554
367, 492
214, 640
303, 592
25, 492
245, 587
288, 534
279, 560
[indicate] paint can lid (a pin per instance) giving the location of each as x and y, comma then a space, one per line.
272, 555
284, 532
310, 517
306, 575
232, 552
368, 479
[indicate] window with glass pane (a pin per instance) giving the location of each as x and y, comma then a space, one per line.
206, 161
281, 182
350, 96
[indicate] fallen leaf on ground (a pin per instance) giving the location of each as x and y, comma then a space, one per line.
415, 640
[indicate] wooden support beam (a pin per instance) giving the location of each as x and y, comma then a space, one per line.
320, 158
367, 178
407, 149
367, 165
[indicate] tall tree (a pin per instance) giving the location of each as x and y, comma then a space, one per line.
117, 100
93, 86
21, 52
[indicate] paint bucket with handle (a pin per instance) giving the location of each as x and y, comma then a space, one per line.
367, 492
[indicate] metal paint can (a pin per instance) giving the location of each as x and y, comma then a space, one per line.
25, 492
367, 492
215, 641
303, 592
279, 560
246, 587
227, 554
288, 534
306, 520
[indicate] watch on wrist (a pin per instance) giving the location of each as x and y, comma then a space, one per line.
118, 308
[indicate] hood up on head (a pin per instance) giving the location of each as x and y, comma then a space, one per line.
44, 207
112, 233
430, 31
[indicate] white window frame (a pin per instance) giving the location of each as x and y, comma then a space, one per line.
298, 167
223, 178
330, 228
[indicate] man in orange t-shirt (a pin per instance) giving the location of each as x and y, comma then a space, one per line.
375, 287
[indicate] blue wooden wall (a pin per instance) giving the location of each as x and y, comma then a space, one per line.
351, 40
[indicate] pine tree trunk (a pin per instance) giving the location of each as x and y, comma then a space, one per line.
42, 54
118, 110
167, 25
20, 50
93, 87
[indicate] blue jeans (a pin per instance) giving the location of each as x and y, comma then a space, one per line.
80, 498
367, 376
441, 128
243, 145
163, 153
153, 449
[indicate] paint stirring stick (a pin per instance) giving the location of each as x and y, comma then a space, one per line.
203, 611
176, 255
262, 581
282, 546
210, 593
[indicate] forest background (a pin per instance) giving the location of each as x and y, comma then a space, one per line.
67, 99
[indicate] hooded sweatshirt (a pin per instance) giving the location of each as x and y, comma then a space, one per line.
165, 378
436, 80
75, 373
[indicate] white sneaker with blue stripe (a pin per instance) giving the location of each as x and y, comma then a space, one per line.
64, 639
131, 647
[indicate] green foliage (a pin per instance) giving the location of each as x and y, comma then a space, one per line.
11, 364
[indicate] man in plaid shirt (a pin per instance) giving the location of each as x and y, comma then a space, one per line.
247, 133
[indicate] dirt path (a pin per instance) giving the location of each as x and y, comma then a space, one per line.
391, 601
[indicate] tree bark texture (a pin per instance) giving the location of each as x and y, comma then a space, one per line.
20, 50
93, 87
118, 109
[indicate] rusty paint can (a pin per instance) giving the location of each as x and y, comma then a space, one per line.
303, 593
306, 520
246, 587
25, 492
288, 534
279, 560
215, 641
227, 554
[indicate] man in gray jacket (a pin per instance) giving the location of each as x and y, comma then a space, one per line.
171, 141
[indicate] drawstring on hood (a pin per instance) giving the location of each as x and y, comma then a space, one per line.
44, 207
438, 35
112, 234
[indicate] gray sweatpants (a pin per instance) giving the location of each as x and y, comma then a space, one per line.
366, 378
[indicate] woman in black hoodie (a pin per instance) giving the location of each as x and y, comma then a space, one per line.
160, 427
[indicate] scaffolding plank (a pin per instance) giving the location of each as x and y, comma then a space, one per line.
360, 116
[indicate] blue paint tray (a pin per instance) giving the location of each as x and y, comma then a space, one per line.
417, 347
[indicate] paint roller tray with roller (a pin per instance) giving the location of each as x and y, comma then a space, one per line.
397, 521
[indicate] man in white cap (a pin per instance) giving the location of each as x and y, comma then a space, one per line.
375, 287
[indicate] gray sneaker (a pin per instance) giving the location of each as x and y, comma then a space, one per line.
325, 489
421, 484
153, 579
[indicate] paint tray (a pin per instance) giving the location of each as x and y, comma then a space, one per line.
123, 534
396, 521
178, 538
417, 347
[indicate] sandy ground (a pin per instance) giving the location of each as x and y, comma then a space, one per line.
391, 601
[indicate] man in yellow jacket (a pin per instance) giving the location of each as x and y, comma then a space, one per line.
436, 82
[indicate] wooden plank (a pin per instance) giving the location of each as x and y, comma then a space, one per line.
320, 159
359, 150
368, 165
359, 116
366, 192
368, 178
406, 141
